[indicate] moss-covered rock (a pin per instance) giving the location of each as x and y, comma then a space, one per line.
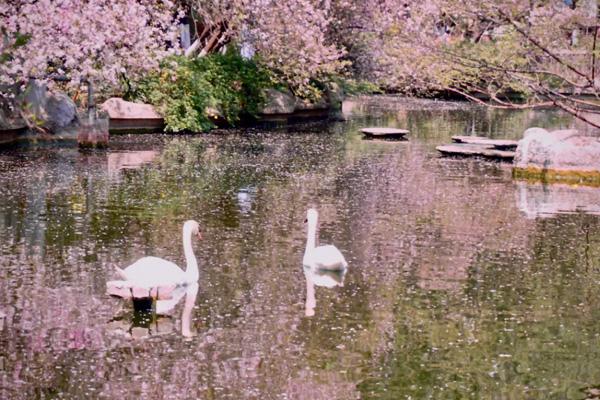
565, 156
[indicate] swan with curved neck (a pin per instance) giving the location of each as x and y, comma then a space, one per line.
320, 257
153, 271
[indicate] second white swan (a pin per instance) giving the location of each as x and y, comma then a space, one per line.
320, 257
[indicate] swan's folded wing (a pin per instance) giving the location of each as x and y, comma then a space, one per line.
153, 271
328, 257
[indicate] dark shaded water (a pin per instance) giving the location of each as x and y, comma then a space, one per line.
462, 282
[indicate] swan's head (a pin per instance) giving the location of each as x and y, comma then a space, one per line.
193, 228
312, 216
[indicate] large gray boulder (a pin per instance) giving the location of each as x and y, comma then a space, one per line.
61, 112
278, 102
558, 154
284, 102
54, 111
34, 98
306, 105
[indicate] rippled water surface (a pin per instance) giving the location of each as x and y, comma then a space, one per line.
462, 282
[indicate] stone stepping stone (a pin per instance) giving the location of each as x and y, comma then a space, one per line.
500, 144
384, 133
474, 150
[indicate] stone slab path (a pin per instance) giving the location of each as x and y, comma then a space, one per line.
499, 144
476, 150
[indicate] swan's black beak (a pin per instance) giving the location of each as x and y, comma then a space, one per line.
199, 235
305, 220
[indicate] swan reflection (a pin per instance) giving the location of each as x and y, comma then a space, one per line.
153, 317
245, 198
323, 278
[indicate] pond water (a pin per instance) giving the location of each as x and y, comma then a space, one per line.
462, 282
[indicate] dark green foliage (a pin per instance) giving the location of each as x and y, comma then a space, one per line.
193, 94
21, 40
353, 87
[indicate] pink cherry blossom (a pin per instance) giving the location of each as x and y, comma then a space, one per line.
101, 40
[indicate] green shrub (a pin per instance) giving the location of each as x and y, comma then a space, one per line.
192, 93
354, 87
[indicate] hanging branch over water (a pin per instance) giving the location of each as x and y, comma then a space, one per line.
544, 52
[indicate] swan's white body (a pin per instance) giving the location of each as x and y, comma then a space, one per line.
149, 272
154, 271
325, 278
320, 257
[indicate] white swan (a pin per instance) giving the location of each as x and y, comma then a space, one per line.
322, 257
151, 272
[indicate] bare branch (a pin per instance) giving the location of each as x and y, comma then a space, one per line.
499, 106
594, 56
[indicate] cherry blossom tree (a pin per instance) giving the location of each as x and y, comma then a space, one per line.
100, 40
544, 50
289, 37
111, 40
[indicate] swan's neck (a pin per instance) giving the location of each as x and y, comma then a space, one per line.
191, 269
311, 238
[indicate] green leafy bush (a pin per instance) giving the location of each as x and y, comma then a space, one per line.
354, 87
193, 94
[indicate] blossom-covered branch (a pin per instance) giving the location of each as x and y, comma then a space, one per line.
101, 40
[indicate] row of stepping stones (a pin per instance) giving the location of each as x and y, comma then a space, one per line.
466, 146
477, 146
